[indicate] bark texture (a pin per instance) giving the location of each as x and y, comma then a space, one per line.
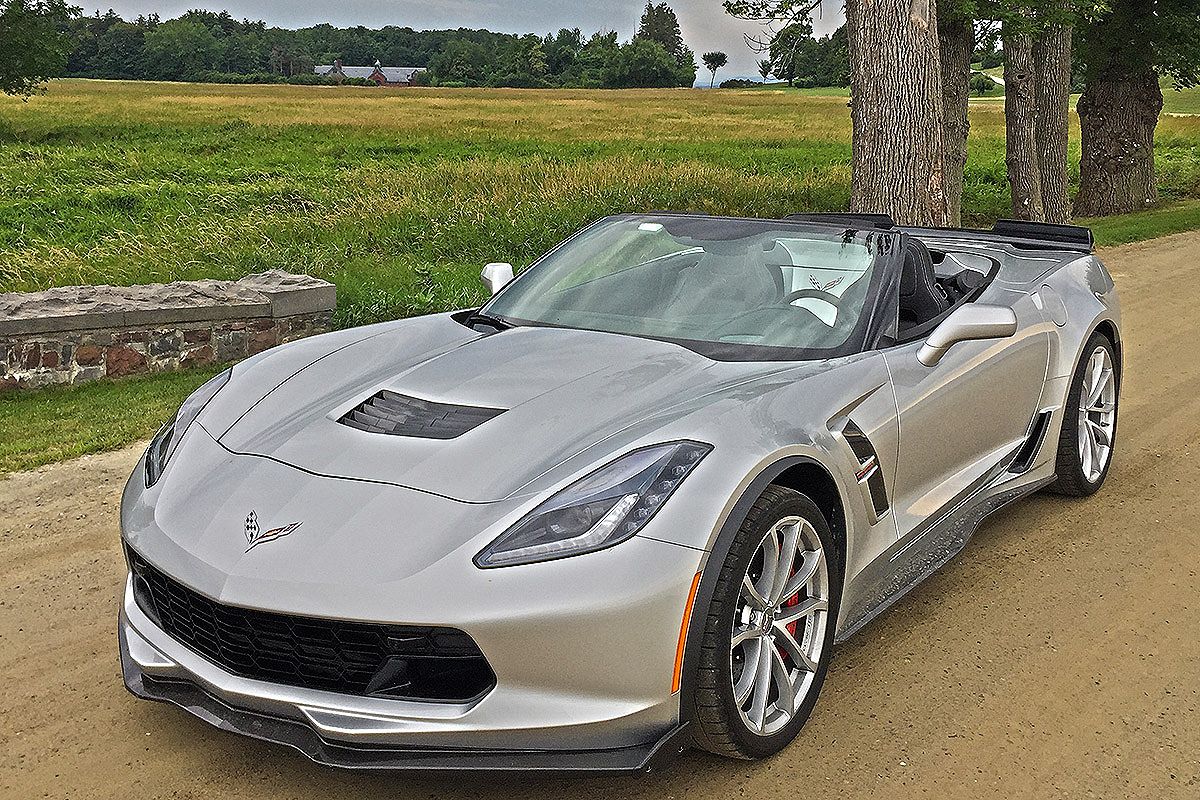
1020, 127
1052, 62
1118, 113
957, 38
896, 110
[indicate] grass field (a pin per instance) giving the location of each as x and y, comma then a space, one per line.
399, 197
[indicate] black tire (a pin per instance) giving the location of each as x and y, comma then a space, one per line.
716, 720
1071, 480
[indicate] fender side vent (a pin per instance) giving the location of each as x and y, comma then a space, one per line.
400, 415
1023, 460
869, 473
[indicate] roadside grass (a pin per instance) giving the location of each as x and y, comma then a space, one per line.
43, 426
1149, 224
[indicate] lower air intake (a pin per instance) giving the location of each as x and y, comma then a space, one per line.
402, 662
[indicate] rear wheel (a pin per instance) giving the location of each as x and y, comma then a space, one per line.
1089, 421
769, 629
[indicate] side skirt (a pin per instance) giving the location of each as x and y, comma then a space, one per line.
930, 547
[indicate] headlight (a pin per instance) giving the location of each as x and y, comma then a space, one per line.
604, 508
163, 445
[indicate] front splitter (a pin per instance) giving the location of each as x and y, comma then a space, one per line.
192, 698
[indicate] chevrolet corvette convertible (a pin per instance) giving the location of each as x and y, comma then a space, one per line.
628, 505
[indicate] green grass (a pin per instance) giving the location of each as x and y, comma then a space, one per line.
399, 197
1181, 101
47, 425
1173, 218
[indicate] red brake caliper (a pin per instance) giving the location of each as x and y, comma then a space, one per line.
791, 601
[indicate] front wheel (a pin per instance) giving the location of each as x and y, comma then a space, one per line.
769, 629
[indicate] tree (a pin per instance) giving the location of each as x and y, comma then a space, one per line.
956, 43
119, 51
1037, 77
982, 84
896, 108
1124, 51
896, 111
34, 45
713, 61
785, 46
182, 50
1052, 64
764, 68
659, 24
1020, 120
645, 64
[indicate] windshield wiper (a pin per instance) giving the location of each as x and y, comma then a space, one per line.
499, 323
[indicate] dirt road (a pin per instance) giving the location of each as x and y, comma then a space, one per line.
1059, 656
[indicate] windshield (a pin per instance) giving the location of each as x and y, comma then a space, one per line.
728, 288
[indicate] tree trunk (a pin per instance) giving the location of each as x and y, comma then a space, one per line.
896, 110
957, 43
1052, 62
1020, 127
1117, 116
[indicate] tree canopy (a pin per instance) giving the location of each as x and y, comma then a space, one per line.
34, 43
713, 61
213, 46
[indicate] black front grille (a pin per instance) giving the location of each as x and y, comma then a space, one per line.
399, 415
395, 661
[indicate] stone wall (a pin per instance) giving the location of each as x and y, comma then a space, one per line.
82, 333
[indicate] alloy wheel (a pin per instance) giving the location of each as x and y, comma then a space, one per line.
1097, 414
779, 625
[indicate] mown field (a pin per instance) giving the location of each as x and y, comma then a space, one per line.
399, 197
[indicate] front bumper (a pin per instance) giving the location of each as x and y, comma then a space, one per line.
192, 698
583, 649
512, 727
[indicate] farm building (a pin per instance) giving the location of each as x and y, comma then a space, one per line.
384, 76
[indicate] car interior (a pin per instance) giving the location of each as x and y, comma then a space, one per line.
934, 283
781, 290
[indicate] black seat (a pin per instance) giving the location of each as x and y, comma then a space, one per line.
921, 299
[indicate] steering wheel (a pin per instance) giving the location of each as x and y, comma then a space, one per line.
729, 327
815, 294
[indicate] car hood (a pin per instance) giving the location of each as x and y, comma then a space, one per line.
561, 392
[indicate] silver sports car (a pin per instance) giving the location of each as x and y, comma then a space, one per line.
629, 504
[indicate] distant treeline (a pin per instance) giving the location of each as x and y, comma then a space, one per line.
215, 47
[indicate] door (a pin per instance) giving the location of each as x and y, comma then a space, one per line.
962, 417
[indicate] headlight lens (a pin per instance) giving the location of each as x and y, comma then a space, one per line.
162, 447
604, 508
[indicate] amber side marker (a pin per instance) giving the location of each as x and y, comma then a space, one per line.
683, 629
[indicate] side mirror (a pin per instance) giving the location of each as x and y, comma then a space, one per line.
496, 276
968, 323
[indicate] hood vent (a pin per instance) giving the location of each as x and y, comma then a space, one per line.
399, 415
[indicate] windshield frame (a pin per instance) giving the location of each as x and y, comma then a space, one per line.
872, 323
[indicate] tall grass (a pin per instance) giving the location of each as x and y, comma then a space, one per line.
400, 196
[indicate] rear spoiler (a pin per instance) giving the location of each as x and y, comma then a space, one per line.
1027, 235
1076, 235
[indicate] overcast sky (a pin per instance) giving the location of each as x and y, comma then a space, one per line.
705, 25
